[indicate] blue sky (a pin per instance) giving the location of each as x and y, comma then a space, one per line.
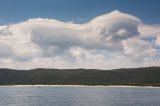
12, 11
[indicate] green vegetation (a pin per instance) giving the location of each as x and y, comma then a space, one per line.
138, 77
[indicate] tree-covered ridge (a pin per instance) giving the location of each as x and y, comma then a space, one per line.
138, 76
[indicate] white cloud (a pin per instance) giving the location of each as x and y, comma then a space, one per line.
5, 50
139, 49
158, 41
101, 43
149, 30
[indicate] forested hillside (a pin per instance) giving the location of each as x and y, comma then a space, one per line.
139, 76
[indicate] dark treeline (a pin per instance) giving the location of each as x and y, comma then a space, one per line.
138, 77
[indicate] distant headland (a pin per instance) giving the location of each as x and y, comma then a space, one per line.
147, 76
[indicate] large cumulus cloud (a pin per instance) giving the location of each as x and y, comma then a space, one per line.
103, 43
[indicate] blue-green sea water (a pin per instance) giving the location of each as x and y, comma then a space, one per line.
78, 96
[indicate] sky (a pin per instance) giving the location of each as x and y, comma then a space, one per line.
97, 34
78, 10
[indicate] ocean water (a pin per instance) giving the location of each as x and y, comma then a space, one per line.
78, 96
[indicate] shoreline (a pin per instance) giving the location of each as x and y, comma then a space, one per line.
122, 86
